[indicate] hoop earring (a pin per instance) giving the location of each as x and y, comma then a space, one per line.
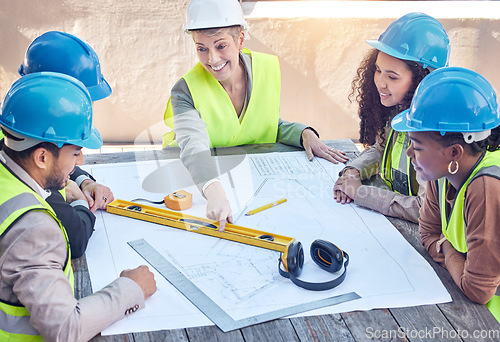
449, 167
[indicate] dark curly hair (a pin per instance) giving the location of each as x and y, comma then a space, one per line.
492, 143
375, 116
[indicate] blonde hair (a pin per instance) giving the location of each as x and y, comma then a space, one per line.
234, 31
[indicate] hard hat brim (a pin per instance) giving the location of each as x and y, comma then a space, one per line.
100, 91
213, 24
390, 51
400, 122
93, 142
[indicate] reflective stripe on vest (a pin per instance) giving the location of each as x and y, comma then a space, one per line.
453, 224
396, 165
14, 204
259, 124
16, 199
15, 324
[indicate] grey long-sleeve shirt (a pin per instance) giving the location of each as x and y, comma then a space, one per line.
192, 137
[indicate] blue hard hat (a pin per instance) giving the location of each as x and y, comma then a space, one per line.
451, 99
62, 52
416, 37
50, 107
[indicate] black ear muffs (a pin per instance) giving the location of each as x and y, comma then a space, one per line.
325, 254
328, 256
293, 258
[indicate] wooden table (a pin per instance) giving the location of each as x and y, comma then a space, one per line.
460, 320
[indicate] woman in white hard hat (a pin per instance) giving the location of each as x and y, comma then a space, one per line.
230, 98
454, 127
410, 48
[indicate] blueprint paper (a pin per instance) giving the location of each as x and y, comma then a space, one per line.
243, 280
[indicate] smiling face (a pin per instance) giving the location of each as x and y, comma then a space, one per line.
429, 158
393, 79
219, 53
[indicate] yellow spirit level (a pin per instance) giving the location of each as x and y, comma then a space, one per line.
200, 225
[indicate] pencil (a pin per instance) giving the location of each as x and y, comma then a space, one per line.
267, 206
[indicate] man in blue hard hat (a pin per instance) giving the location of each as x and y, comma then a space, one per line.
67, 54
47, 119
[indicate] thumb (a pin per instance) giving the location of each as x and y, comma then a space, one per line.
89, 198
90, 201
309, 152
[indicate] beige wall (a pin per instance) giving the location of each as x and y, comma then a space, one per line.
143, 51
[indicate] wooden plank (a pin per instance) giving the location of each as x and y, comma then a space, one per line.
373, 325
83, 287
280, 330
470, 318
213, 334
177, 335
113, 338
424, 323
322, 328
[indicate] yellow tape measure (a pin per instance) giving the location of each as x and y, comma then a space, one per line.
200, 225
179, 200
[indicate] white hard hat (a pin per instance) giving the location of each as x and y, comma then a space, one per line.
203, 14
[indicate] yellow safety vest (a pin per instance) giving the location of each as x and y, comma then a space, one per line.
397, 171
16, 199
260, 121
453, 223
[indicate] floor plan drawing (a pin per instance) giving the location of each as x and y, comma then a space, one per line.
244, 280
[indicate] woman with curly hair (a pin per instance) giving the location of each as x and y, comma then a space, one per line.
409, 49
454, 128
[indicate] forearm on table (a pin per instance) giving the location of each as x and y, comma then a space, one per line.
429, 239
454, 262
106, 306
368, 163
389, 202
430, 222
477, 287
